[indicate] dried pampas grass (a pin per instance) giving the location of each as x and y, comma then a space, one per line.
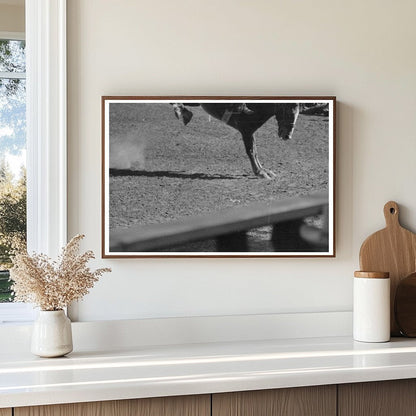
53, 285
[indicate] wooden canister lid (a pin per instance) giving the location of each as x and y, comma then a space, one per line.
372, 275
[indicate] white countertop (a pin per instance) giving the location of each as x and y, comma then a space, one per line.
150, 371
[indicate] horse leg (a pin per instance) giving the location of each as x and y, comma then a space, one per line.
251, 149
182, 113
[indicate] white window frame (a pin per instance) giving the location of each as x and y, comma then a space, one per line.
46, 125
46, 134
15, 312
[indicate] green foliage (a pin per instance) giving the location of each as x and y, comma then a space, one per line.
12, 213
6, 294
12, 55
12, 141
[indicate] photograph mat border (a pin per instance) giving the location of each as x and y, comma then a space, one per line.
107, 100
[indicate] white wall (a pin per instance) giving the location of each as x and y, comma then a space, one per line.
361, 51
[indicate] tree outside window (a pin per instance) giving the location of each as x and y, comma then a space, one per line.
12, 156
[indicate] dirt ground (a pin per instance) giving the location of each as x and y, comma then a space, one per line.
162, 170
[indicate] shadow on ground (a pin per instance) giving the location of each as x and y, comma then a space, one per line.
169, 174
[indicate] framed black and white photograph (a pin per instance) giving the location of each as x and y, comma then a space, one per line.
218, 176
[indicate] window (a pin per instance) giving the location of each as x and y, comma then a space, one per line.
46, 134
12, 165
12, 155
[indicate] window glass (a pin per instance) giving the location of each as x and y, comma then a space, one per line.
12, 156
12, 56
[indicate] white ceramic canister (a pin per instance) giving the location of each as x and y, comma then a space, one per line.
371, 322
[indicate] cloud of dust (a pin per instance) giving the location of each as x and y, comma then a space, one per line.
127, 151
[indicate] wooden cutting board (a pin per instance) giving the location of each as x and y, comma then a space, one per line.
393, 250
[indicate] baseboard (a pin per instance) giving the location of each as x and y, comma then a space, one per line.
127, 334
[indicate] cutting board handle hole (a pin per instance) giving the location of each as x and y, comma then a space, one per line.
391, 213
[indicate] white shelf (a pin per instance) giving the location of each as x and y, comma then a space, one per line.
150, 371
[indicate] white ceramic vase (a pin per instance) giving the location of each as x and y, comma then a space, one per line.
52, 334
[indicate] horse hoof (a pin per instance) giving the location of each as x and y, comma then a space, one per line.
266, 174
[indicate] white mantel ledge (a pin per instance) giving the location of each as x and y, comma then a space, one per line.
199, 368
